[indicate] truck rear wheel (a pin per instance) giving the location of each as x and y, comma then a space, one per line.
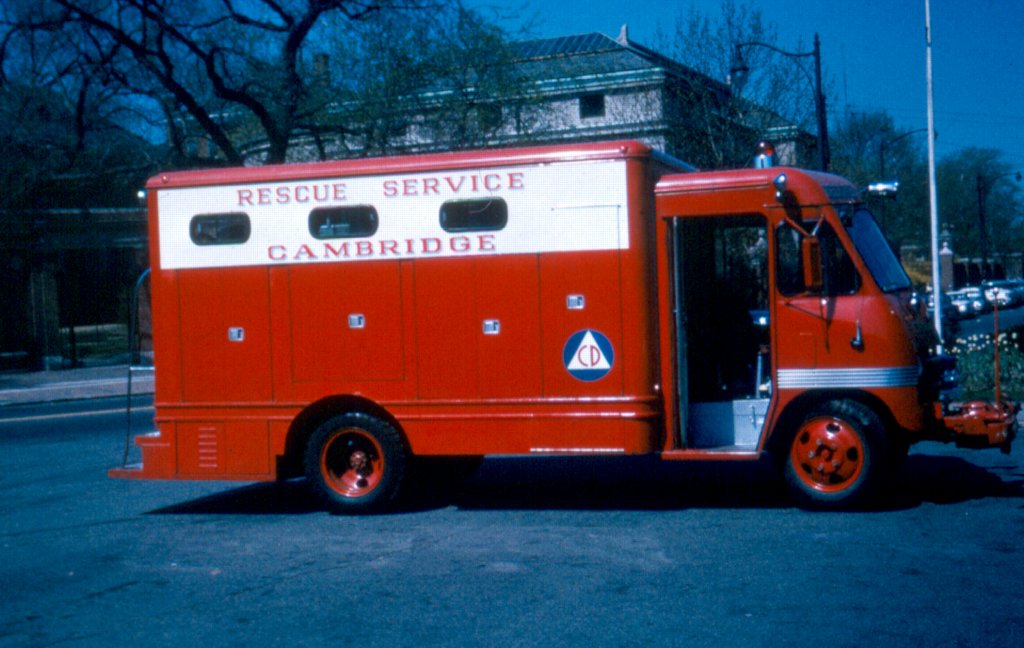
836, 456
355, 463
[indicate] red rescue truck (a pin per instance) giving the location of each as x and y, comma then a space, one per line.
338, 320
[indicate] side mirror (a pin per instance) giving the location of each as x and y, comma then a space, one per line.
884, 189
810, 257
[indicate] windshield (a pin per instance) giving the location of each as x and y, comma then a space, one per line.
875, 251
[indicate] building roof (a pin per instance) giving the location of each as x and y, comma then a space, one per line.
585, 55
567, 46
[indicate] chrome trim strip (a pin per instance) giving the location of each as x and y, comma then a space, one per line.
837, 378
578, 450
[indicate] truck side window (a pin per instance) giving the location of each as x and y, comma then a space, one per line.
474, 215
232, 228
839, 273
351, 221
789, 269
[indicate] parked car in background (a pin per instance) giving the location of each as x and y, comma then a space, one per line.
949, 310
1008, 292
969, 302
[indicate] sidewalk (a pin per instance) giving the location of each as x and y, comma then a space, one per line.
72, 384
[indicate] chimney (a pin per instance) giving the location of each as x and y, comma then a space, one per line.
623, 38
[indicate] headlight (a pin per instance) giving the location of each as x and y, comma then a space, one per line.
938, 377
950, 378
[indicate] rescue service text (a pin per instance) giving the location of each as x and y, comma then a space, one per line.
453, 184
302, 193
335, 192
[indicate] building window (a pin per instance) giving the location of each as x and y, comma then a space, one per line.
474, 215
591, 105
220, 229
343, 222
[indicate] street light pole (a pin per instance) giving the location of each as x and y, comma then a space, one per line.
819, 107
739, 71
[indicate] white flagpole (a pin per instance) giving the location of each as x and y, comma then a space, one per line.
932, 192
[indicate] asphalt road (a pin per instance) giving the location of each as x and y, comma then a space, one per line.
545, 553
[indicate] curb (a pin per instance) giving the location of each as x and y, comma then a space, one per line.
50, 387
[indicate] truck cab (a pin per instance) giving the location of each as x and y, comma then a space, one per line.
794, 331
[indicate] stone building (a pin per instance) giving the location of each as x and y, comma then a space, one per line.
592, 87
589, 87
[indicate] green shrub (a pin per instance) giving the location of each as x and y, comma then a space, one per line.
976, 362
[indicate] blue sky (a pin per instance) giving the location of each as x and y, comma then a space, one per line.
873, 54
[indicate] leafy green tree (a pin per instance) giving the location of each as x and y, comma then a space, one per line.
979, 193
869, 147
980, 202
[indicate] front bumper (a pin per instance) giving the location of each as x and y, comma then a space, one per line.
979, 424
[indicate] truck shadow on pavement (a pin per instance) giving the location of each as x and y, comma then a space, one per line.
630, 484
270, 498
657, 485
950, 480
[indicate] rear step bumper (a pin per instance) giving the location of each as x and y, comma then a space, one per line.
158, 461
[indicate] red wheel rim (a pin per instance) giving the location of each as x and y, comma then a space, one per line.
352, 462
827, 454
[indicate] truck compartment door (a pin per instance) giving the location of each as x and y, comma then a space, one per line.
225, 334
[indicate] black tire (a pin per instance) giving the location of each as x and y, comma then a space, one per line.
355, 463
836, 456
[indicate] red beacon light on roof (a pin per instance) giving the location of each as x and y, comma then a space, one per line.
765, 157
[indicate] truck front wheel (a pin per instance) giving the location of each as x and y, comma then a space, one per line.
836, 455
355, 463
